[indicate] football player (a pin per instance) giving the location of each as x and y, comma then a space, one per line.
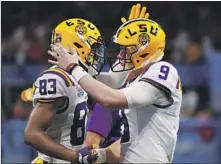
110, 120
84, 36
56, 127
151, 99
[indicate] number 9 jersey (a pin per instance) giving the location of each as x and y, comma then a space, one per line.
69, 102
151, 121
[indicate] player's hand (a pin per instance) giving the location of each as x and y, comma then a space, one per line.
86, 155
64, 59
135, 12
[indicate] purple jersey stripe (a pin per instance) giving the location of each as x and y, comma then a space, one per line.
60, 75
72, 83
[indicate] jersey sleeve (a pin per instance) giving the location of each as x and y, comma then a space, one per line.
155, 87
141, 94
101, 120
50, 88
161, 75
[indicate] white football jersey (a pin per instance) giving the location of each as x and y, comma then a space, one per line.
68, 126
150, 131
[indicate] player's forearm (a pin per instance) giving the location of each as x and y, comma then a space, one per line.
93, 138
112, 79
44, 144
108, 97
105, 78
113, 152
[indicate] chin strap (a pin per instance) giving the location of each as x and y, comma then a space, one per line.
142, 48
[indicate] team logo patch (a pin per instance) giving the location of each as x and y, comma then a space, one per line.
81, 29
80, 92
143, 38
58, 38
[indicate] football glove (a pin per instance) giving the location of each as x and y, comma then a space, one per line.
86, 155
135, 12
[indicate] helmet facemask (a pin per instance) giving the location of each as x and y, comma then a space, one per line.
124, 57
95, 60
123, 61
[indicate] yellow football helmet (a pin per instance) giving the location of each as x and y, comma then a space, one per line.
141, 41
85, 38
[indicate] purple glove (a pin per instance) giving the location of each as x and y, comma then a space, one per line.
86, 156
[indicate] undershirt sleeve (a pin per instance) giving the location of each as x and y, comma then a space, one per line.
101, 120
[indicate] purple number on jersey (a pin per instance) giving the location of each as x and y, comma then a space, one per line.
43, 90
126, 130
78, 127
164, 70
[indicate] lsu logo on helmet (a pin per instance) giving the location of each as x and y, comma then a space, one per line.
81, 29
143, 38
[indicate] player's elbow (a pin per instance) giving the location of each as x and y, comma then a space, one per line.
29, 136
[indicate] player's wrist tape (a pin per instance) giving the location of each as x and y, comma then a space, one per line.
71, 67
102, 156
77, 73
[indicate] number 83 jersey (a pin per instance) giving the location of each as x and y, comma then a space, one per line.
69, 102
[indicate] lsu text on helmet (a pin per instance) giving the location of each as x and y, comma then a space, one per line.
85, 38
141, 42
